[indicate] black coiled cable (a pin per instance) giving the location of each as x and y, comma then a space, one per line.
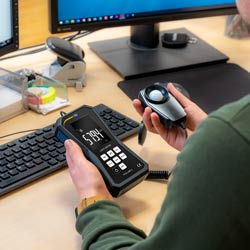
158, 174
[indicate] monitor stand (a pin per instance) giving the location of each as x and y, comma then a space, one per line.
132, 62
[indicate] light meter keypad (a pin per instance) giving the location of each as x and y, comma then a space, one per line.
115, 157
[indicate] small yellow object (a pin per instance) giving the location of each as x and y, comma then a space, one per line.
45, 94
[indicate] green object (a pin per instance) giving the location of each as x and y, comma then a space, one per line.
30, 83
207, 204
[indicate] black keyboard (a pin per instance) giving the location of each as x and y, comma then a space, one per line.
39, 153
120, 125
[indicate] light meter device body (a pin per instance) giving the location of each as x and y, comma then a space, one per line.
161, 101
120, 167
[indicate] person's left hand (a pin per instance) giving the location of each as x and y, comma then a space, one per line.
85, 175
174, 136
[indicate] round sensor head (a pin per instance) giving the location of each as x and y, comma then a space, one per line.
156, 94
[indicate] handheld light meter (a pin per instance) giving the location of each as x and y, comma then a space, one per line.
121, 168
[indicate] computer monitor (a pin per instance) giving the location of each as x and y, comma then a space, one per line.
9, 26
143, 53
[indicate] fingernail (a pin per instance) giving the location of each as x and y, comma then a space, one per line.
67, 143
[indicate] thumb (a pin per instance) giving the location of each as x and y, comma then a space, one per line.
182, 99
74, 154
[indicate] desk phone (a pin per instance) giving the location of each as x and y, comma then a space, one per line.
121, 168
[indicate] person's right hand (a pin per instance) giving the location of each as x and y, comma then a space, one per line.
85, 175
173, 136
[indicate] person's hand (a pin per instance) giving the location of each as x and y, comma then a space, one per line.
85, 175
173, 136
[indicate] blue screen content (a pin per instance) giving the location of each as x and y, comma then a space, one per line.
101, 10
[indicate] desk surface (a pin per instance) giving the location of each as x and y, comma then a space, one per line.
41, 215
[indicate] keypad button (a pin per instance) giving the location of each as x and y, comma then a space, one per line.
111, 153
110, 163
117, 149
122, 156
122, 166
116, 170
116, 159
104, 157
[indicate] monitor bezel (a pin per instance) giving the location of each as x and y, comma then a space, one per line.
199, 12
14, 45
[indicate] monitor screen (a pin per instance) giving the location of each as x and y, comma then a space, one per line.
143, 17
91, 14
8, 31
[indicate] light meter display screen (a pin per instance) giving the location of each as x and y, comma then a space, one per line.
90, 133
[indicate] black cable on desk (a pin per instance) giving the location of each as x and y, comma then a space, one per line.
43, 48
19, 132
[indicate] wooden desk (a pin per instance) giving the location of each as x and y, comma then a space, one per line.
41, 215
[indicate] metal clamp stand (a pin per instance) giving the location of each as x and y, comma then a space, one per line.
69, 67
72, 74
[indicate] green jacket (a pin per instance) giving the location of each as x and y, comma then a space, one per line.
208, 200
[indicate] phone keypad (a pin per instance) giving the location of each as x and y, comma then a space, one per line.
115, 158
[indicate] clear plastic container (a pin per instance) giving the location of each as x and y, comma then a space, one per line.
44, 94
11, 98
24, 89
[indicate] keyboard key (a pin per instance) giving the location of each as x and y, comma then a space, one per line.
16, 149
3, 147
24, 139
21, 168
53, 162
13, 172
2, 156
11, 166
3, 169
118, 132
4, 176
11, 144
60, 158
3, 162
11, 158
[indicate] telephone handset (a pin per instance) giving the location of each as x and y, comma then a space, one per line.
120, 167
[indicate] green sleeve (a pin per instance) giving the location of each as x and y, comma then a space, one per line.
208, 203
103, 226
